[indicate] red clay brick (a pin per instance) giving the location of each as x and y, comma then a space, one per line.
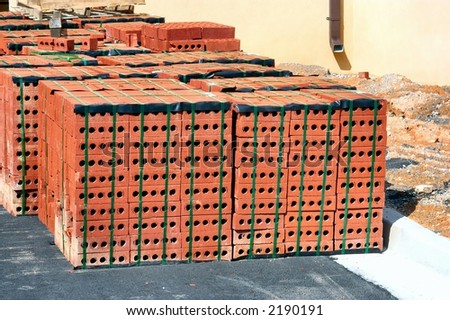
309, 246
205, 222
358, 217
259, 236
206, 238
355, 244
154, 225
264, 206
222, 45
208, 253
172, 254
312, 203
309, 219
309, 234
361, 200
241, 251
154, 241
206, 206
242, 222
155, 209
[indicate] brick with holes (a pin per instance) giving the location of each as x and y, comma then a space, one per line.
309, 247
359, 231
313, 159
263, 206
120, 210
206, 222
308, 219
206, 238
155, 241
361, 200
154, 225
264, 175
243, 250
312, 203
357, 217
156, 255
360, 186
359, 170
309, 234
311, 174
205, 191
266, 191
155, 209
206, 173
374, 243
201, 206
243, 222
259, 236
154, 193
362, 155
246, 160
208, 253
311, 188
98, 228
364, 139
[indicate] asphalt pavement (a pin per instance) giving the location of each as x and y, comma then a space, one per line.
32, 268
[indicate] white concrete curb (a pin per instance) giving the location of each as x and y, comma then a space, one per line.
415, 265
409, 239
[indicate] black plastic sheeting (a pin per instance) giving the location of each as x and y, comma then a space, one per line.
233, 74
111, 52
152, 107
124, 19
36, 79
296, 88
25, 65
35, 26
337, 105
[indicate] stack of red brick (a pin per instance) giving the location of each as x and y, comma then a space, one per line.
189, 36
266, 83
191, 166
188, 72
171, 58
327, 200
360, 181
162, 210
129, 33
19, 117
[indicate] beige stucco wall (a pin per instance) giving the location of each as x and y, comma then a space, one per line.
409, 37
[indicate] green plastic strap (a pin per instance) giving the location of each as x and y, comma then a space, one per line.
141, 184
166, 181
372, 174
302, 181
63, 191
113, 186
255, 162
324, 180
23, 148
280, 162
222, 137
45, 155
191, 182
117, 51
86, 172
347, 176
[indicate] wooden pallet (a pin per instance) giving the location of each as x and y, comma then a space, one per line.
63, 10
